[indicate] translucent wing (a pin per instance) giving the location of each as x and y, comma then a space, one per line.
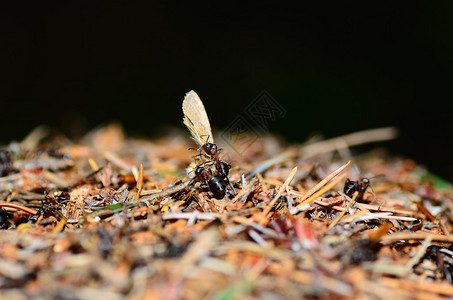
196, 119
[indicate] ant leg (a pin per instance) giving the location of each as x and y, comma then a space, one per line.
196, 149
373, 193
232, 187
199, 154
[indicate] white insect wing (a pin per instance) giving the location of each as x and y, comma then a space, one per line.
196, 119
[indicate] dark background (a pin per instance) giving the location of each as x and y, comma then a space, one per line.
336, 68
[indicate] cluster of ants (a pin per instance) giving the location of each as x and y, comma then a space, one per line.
219, 185
213, 172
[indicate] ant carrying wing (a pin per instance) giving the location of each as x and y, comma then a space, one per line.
208, 167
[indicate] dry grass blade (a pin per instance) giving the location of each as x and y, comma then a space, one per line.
288, 180
269, 163
58, 180
323, 182
416, 236
114, 159
419, 254
194, 215
324, 189
95, 167
31, 141
200, 248
202, 201
245, 191
165, 193
138, 188
18, 206
387, 209
60, 226
353, 139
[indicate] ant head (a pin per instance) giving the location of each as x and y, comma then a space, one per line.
210, 148
200, 170
225, 167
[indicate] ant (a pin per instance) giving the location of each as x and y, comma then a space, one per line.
211, 151
51, 206
360, 186
217, 184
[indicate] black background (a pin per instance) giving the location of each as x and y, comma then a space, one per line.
335, 68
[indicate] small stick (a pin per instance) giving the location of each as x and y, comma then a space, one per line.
419, 255
348, 140
425, 211
336, 207
375, 234
114, 159
150, 192
138, 188
418, 287
18, 206
324, 181
123, 196
258, 238
243, 194
323, 190
11, 177
389, 209
394, 237
94, 166
31, 141
203, 203
40, 218
135, 172
444, 228
188, 216
269, 163
288, 180
58, 180
166, 192
380, 215
59, 226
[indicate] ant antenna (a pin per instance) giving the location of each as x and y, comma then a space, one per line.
357, 169
207, 137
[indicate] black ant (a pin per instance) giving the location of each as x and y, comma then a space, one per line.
51, 206
40, 213
216, 184
212, 152
360, 186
